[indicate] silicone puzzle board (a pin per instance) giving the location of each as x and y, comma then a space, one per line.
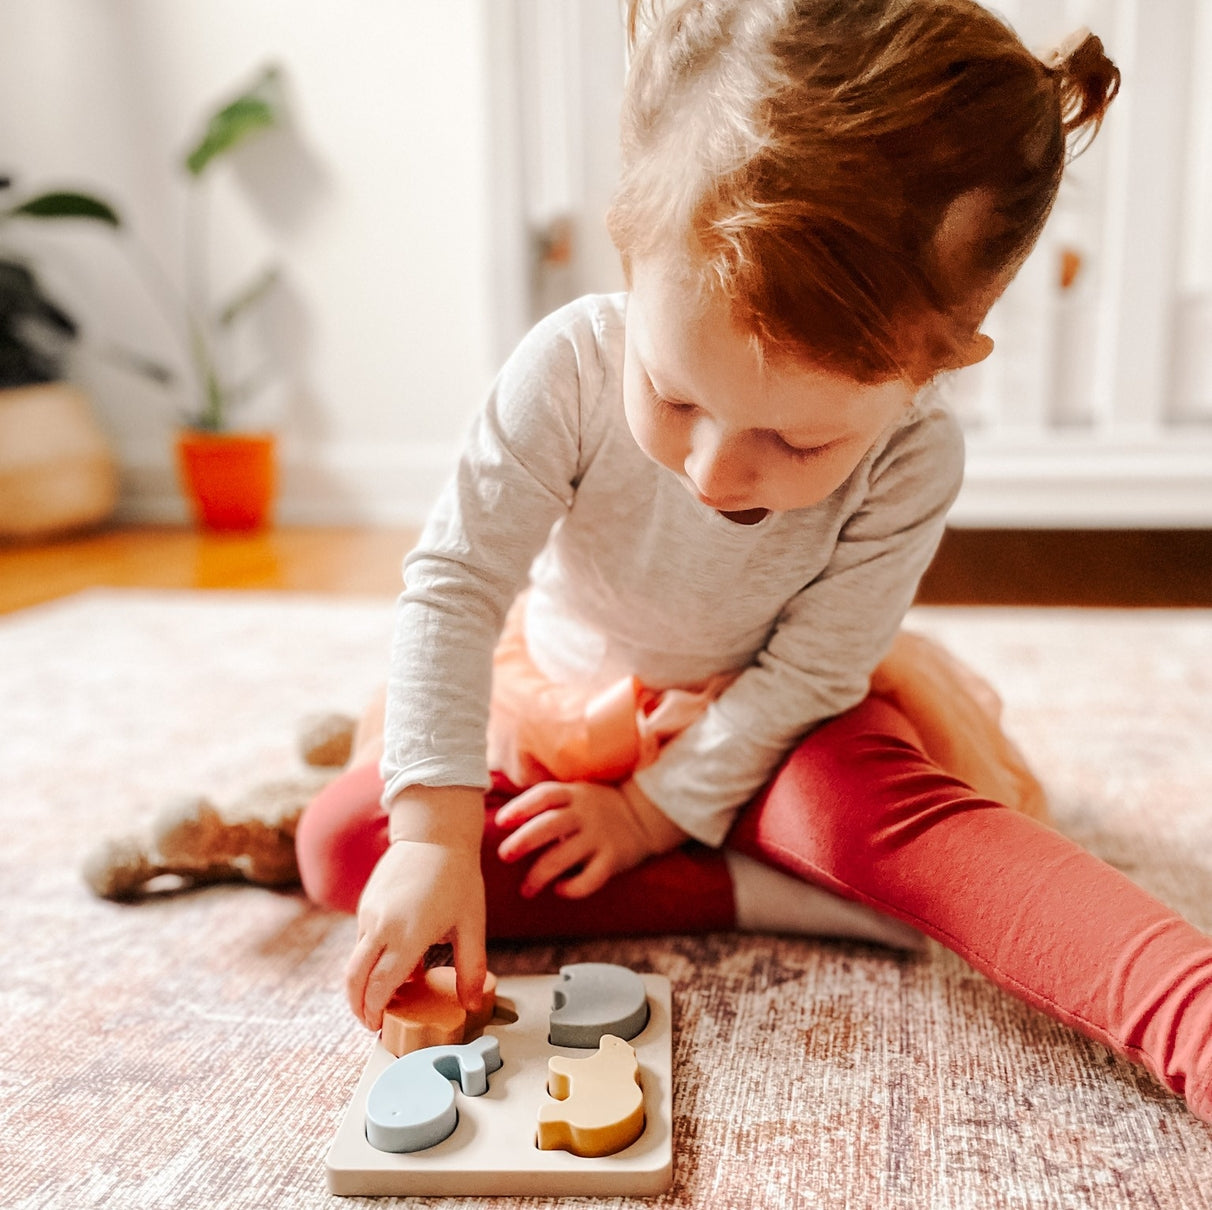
492, 1150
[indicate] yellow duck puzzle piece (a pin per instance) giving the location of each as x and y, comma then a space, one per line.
599, 1105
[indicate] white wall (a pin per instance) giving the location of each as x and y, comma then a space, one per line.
434, 136
378, 207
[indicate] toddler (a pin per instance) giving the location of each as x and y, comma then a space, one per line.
655, 614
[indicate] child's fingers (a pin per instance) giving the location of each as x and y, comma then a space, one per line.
375, 973
389, 974
593, 877
554, 862
361, 962
550, 827
543, 797
471, 964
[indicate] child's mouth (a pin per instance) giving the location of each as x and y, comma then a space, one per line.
733, 510
744, 516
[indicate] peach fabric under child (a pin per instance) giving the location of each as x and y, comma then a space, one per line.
541, 730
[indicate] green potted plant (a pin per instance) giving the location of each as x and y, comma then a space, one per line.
228, 475
57, 472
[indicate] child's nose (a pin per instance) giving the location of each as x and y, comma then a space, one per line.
717, 467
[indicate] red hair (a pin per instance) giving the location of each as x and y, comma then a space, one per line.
854, 176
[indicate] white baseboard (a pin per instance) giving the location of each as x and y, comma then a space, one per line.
334, 485
1078, 483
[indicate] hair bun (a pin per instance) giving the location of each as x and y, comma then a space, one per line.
1087, 81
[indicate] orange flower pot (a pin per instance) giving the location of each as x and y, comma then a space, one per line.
230, 479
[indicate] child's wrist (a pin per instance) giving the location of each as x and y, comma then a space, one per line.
451, 816
659, 832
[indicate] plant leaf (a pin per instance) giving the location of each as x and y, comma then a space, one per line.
252, 294
258, 109
157, 371
22, 296
68, 205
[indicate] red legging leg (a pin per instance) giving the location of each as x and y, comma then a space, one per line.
859, 809
343, 833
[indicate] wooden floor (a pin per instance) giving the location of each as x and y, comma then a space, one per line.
1128, 568
976, 567
346, 561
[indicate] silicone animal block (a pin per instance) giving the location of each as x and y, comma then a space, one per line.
593, 999
427, 1012
412, 1104
599, 1105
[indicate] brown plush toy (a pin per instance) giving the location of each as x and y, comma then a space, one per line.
193, 842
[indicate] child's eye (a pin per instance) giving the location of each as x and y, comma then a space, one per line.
677, 407
802, 453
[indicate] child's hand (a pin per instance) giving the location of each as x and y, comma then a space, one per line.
422, 891
593, 830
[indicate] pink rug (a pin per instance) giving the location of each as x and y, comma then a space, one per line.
196, 1051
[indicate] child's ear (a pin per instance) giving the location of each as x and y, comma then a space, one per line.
974, 352
959, 354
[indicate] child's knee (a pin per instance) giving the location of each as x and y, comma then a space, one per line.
850, 797
340, 838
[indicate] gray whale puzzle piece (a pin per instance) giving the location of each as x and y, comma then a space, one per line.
412, 1104
593, 999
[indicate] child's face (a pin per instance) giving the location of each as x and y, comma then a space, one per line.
745, 436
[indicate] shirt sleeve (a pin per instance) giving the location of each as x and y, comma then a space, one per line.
826, 641
515, 480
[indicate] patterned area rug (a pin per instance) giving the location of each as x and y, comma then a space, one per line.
196, 1051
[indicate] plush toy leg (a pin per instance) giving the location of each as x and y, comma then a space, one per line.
252, 841
193, 842
127, 868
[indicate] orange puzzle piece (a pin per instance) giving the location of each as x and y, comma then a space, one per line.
599, 1105
427, 1012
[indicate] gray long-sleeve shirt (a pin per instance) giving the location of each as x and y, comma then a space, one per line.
630, 574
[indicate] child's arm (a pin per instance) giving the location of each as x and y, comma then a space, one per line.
426, 888
593, 830
516, 479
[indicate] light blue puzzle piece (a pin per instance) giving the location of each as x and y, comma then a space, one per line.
411, 1106
593, 999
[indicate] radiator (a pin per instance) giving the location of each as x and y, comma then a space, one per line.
1096, 407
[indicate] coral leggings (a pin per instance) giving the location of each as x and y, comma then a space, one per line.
860, 810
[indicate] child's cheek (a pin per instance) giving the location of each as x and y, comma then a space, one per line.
643, 428
818, 482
